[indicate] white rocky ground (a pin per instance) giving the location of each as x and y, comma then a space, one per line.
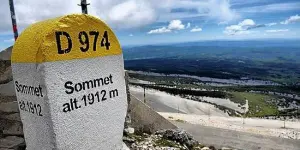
206, 114
183, 105
225, 102
252, 125
165, 102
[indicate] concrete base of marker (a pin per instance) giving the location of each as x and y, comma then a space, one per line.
99, 123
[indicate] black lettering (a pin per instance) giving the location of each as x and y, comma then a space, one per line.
78, 87
68, 86
66, 107
84, 41
72, 102
41, 91
105, 41
76, 103
98, 82
103, 92
113, 93
40, 110
30, 90
17, 86
58, 35
84, 99
37, 91
24, 89
88, 84
110, 78
96, 34
106, 80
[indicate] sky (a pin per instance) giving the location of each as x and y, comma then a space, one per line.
144, 22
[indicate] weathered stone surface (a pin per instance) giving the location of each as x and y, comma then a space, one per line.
154, 142
6, 86
177, 135
5, 65
11, 142
5, 74
15, 129
226, 148
169, 139
128, 117
6, 54
128, 140
129, 130
9, 107
7, 89
4, 99
12, 117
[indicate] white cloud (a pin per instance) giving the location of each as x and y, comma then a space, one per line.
233, 29
196, 29
130, 34
247, 22
271, 24
132, 13
277, 7
220, 9
277, 30
159, 30
292, 19
242, 27
173, 25
117, 13
188, 25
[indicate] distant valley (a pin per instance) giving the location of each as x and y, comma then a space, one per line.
263, 74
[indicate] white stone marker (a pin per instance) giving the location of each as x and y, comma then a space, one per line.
69, 79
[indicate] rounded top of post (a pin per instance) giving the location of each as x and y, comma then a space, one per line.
75, 36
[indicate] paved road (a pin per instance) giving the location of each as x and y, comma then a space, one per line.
163, 102
154, 103
241, 140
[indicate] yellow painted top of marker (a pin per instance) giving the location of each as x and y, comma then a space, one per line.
75, 36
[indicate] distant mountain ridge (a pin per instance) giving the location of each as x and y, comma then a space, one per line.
282, 51
277, 61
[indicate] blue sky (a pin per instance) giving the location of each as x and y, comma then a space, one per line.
140, 22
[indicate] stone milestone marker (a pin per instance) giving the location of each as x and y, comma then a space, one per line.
69, 79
